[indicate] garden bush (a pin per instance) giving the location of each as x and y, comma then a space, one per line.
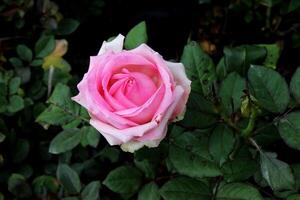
240, 134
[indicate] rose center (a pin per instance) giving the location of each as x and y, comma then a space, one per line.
132, 86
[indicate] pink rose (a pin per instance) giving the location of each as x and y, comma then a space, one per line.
132, 95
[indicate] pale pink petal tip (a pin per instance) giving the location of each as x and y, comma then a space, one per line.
116, 45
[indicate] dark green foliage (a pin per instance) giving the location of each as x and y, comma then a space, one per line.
240, 136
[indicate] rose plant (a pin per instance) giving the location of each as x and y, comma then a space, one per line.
234, 110
136, 126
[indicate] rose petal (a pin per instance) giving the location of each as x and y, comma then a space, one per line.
116, 45
159, 132
141, 89
145, 112
133, 146
180, 77
123, 135
165, 74
154, 136
90, 98
126, 59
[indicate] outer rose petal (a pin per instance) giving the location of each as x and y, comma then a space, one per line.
116, 45
154, 136
181, 79
119, 136
132, 146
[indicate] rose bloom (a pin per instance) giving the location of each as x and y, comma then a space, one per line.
132, 95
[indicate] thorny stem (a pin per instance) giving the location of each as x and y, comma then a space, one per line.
268, 18
216, 188
50, 78
226, 119
231, 124
253, 142
251, 124
11, 38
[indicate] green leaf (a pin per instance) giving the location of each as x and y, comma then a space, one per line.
56, 62
24, 73
61, 96
74, 124
125, 180
44, 183
149, 192
67, 26
136, 36
199, 103
295, 85
199, 68
149, 160
273, 53
278, 174
21, 150
185, 188
236, 170
295, 40
196, 119
90, 136
296, 172
221, 143
25, 170
70, 198
44, 46
268, 135
24, 52
65, 141
16, 103
68, 178
37, 62
221, 70
238, 191
110, 153
240, 58
294, 197
16, 62
17, 185
91, 191
14, 85
231, 92
293, 5
54, 115
189, 155
269, 88
147, 167
259, 179
284, 194
289, 129
62, 109
234, 59
3, 97
200, 112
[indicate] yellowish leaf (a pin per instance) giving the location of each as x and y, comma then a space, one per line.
55, 58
